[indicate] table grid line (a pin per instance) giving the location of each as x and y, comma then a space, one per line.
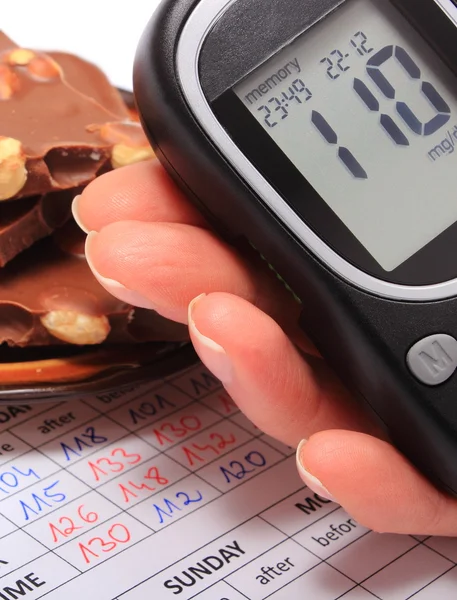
321, 560
54, 551
144, 500
358, 586
91, 489
190, 472
233, 588
182, 557
35, 414
360, 583
22, 527
201, 548
424, 587
423, 543
214, 539
199, 400
48, 550
118, 439
79, 535
196, 472
122, 510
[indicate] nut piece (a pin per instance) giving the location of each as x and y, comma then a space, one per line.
44, 68
76, 328
20, 57
129, 144
123, 155
13, 173
9, 82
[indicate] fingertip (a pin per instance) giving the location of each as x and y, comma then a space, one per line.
376, 484
113, 287
212, 354
233, 320
191, 308
139, 192
328, 459
76, 212
308, 478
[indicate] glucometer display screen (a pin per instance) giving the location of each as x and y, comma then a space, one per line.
367, 112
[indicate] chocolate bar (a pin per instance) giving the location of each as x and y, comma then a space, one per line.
52, 136
88, 79
48, 295
24, 222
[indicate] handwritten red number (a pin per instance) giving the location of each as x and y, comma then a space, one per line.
112, 466
134, 458
177, 430
90, 517
106, 545
194, 451
152, 474
67, 525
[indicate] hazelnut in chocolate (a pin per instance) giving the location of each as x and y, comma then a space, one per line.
50, 132
48, 295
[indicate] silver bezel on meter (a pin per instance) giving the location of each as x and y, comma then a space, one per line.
195, 31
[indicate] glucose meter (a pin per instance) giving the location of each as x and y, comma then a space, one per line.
324, 133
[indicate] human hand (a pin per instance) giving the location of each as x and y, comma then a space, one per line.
149, 247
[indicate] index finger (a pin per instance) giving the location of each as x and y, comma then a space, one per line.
139, 192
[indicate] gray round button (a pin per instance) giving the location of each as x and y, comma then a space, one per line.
433, 360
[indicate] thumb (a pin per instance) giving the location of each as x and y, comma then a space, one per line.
375, 484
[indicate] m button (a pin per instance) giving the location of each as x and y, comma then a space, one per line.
433, 360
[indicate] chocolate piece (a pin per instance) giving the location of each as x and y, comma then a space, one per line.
89, 80
26, 221
129, 100
48, 295
51, 135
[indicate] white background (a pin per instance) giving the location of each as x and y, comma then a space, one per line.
103, 31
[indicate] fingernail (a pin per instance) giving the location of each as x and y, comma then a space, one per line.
76, 215
213, 356
116, 289
312, 482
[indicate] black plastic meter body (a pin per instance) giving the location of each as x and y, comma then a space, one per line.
324, 132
